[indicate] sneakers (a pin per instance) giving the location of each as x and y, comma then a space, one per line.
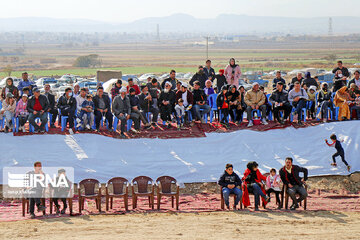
264, 121
52, 125
36, 130
32, 216
294, 207
71, 131
87, 127
333, 164
250, 124
122, 135
78, 125
6, 129
348, 168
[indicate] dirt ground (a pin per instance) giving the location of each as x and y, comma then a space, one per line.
215, 225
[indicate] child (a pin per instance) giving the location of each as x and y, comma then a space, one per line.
356, 107
180, 113
273, 185
340, 151
311, 94
21, 112
222, 104
88, 103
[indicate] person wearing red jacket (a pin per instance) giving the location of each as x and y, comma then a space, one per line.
134, 86
252, 184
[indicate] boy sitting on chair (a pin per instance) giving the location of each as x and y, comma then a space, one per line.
230, 182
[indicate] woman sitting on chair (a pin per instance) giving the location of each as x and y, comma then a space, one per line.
341, 100
8, 111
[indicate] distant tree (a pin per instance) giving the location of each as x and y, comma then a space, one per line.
331, 57
8, 70
91, 60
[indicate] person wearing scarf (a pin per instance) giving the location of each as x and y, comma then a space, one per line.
10, 88
233, 73
341, 100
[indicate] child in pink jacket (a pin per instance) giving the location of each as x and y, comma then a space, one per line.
273, 185
21, 112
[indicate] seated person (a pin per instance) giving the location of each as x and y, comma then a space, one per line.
200, 107
136, 112
67, 107
52, 104
220, 79
297, 98
84, 120
309, 81
199, 77
180, 113
299, 78
166, 103
342, 100
122, 110
235, 111
27, 91
38, 107
61, 192
21, 112
222, 103
8, 110
252, 183
277, 79
356, 107
116, 89
255, 100
268, 105
187, 98
311, 94
147, 105
279, 101
10, 88
230, 183
87, 108
102, 109
208, 88
325, 102
273, 186
289, 175
133, 85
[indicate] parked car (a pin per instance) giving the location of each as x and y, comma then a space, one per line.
91, 85
67, 78
46, 80
246, 85
143, 78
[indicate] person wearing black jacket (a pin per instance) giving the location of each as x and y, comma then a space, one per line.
208, 70
220, 79
324, 101
299, 78
171, 80
102, 108
67, 106
200, 76
279, 101
136, 113
37, 107
309, 81
289, 175
230, 182
52, 108
278, 79
341, 75
166, 103
199, 98
147, 104
222, 103
355, 80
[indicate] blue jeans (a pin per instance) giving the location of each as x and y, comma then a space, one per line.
256, 190
205, 110
299, 105
226, 193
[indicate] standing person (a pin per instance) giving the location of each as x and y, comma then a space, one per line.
133, 85
339, 151
26, 83
232, 73
21, 112
277, 79
171, 80
255, 100
200, 76
230, 183
87, 108
279, 101
222, 103
67, 107
309, 81
8, 110
180, 113
253, 184
220, 79
341, 100
102, 109
200, 107
136, 114
208, 70
10, 88
37, 191
341, 74
273, 186
115, 90
355, 80
166, 103
122, 110
38, 107
289, 175
325, 102
312, 94
147, 105
52, 105
297, 98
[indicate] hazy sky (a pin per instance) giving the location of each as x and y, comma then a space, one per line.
129, 10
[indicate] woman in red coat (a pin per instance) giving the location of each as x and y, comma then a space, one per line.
252, 184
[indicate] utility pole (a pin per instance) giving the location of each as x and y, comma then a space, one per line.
158, 32
207, 47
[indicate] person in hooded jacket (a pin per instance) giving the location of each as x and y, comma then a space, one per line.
199, 76
309, 81
324, 100
222, 103
67, 106
279, 101
252, 183
230, 181
235, 112
10, 88
220, 79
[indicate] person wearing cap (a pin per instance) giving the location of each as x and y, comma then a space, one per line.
21, 112
102, 108
38, 105
122, 110
133, 85
200, 76
255, 100
166, 103
277, 79
10, 88
147, 104
52, 104
136, 114
208, 70
26, 83
297, 98
200, 107
115, 90
171, 80
8, 111
67, 107
309, 81
279, 101
233, 73
187, 97
220, 79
